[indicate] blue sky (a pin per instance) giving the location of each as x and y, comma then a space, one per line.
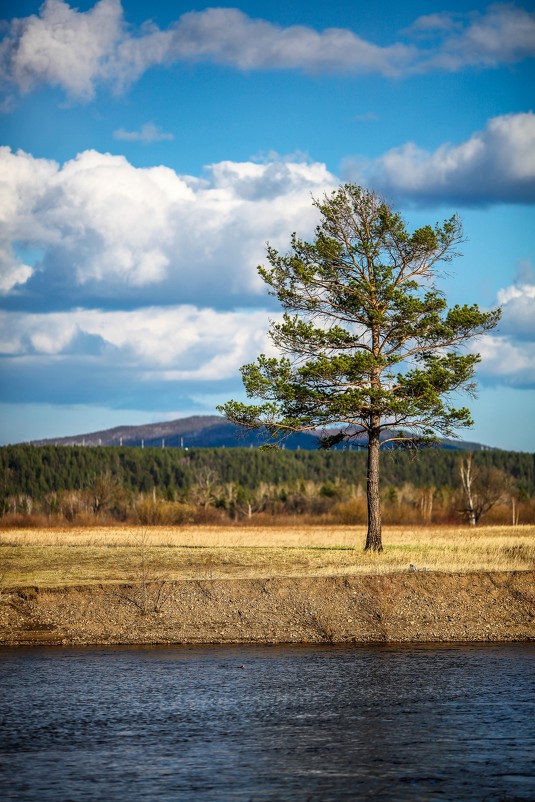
149, 151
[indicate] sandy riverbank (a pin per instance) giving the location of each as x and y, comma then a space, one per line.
400, 607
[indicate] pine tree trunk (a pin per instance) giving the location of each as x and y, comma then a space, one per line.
374, 536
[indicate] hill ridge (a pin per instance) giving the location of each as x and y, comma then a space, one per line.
201, 431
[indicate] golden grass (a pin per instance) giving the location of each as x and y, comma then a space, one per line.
55, 557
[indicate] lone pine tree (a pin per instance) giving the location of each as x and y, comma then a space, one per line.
367, 343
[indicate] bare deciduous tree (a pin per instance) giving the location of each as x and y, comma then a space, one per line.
482, 488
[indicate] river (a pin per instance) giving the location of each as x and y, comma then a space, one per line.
237, 724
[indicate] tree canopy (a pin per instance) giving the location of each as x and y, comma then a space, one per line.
366, 342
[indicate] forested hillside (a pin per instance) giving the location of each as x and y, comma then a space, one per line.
153, 485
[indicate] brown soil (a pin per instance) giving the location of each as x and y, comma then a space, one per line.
403, 607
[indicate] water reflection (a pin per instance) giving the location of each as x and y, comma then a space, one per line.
386, 723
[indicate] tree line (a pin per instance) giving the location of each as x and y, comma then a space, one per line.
174, 486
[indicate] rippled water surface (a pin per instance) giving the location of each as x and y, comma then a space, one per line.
272, 723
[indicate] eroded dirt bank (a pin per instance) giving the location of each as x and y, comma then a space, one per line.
416, 607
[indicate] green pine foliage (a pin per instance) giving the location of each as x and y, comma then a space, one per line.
365, 334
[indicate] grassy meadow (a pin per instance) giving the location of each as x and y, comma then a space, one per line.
59, 557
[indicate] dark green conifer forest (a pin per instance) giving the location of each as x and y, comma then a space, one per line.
155, 485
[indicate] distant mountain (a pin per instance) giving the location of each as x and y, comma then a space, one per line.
198, 431
201, 431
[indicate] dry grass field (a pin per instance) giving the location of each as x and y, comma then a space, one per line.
63, 557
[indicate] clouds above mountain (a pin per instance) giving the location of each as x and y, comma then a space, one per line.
495, 165
78, 51
155, 354
114, 356
185, 342
103, 226
107, 230
134, 287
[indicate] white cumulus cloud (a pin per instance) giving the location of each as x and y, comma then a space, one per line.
77, 51
175, 343
228, 36
111, 230
495, 165
503, 34
505, 361
518, 316
62, 47
12, 273
508, 356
